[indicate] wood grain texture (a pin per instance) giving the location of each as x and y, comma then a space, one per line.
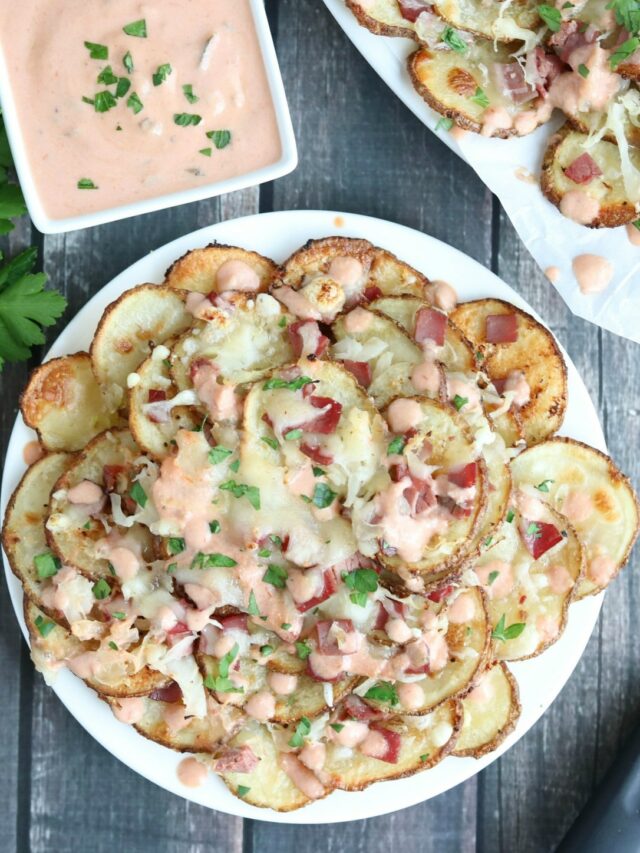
361, 151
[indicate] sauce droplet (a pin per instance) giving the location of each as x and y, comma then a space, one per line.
192, 773
593, 273
553, 274
31, 452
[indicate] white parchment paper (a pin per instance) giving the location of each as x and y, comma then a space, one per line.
552, 239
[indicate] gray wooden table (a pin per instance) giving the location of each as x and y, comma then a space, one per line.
360, 151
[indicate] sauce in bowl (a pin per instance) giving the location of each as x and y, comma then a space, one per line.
128, 100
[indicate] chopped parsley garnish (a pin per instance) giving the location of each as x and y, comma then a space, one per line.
452, 39
86, 184
302, 730
186, 119
134, 103
488, 541
97, 51
136, 28
127, 61
266, 650
627, 14
624, 51
264, 553
220, 138
544, 485
86, 526
396, 446
492, 577
383, 691
218, 454
583, 71
107, 76
480, 98
293, 435
112, 570
273, 444
161, 74
318, 472
101, 589
212, 561
337, 727
253, 605
242, 490
214, 526
176, 545
243, 790
286, 626
104, 101
205, 151
444, 123
138, 494
188, 93
303, 649
47, 565
282, 322
533, 530
510, 516
118, 614
551, 16
276, 576
277, 541
171, 568
323, 496
221, 685
123, 87
500, 632
424, 756
459, 402
113, 646
362, 582
44, 626
227, 660
292, 385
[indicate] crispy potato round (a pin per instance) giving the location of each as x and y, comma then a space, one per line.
586, 486
316, 257
394, 277
63, 403
198, 269
382, 17
128, 330
534, 353
490, 713
489, 20
23, 532
565, 146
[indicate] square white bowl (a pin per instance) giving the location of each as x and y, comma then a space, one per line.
287, 162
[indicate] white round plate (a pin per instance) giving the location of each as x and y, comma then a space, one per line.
278, 235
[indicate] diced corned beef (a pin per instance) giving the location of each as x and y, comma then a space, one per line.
329, 586
361, 370
327, 643
547, 67
510, 81
430, 326
412, 9
355, 708
393, 741
397, 472
464, 476
156, 395
502, 328
316, 454
572, 35
306, 338
115, 478
170, 693
425, 450
236, 759
438, 594
500, 385
326, 422
583, 169
539, 537
419, 495
372, 293
393, 609
424, 669
237, 621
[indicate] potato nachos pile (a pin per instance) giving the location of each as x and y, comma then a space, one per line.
501, 68
296, 519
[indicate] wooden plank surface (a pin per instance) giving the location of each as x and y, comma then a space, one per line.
361, 151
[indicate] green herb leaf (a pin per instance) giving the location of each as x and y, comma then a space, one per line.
383, 691
44, 626
243, 790
459, 402
47, 565
161, 74
97, 51
318, 472
453, 40
186, 119
266, 650
118, 614
510, 516
205, 151
214, 526
220, 138
273, 444
86, 184
323, 496
176, 545
104, 101
302, 730
107, 76
544, 485
277, 541
101, 589
227, 660
337, 727
127, 61
480, 98
171, 568
240, 490
218, 454
188, 93
253, 605
444, 123
286, 626
293, 435
624, 51
500, 632
221, 684
362, 581
264, 553
396, 446
123, 87
134, 103
636, 224
551, 16
533, 530
303, 649
235, 466
113, 646
583, 71
492, 577
292, 385
138, 494
627, 14
136, 28
276, 576
424, 757
212, 561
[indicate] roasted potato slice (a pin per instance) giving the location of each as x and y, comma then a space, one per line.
424, 741
66, 526
608, 190
599, 501
198, 269
156, 412
63, 403
495, 21
529, 590
490, 713
324, 257
393, 277
129, 328
23, 533
535, 354
459, 86
382, 17
457, 352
